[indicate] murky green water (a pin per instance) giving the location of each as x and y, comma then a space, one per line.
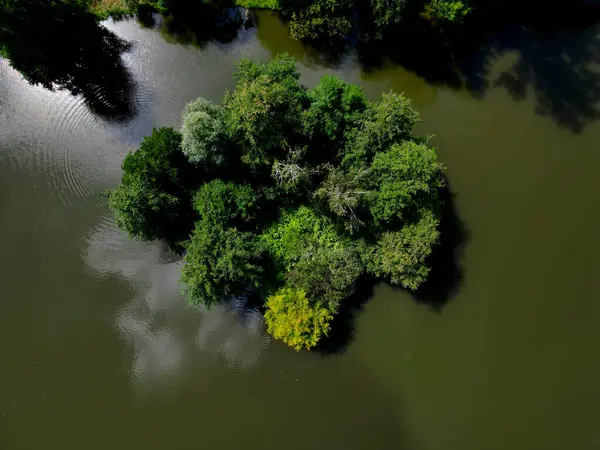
98, 351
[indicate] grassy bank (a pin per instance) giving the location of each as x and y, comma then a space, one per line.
120, 8
111, 8
259, 4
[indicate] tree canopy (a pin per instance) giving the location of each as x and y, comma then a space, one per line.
328, 22
288, 195
153, 199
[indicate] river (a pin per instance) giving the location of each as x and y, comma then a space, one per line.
100, 352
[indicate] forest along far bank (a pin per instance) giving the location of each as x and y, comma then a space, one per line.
288, 196
433, 38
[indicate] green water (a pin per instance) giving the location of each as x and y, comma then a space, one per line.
99, 351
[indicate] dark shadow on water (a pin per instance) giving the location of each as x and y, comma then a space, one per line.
196, 23
61, 45
446, 274
108, 92
418, 47
556, 51
273, 32
557, 55
343, 325
146, 16
443, 283
560, 71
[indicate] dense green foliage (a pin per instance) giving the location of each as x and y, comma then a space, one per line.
204, 134
450, 11
335, 106
221, 262
263, 114
402, 255
321, 19
153, 200
409, 178
223, 202
259, 4
331, 21
295, 194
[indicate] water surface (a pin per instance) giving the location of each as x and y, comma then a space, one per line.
99, 350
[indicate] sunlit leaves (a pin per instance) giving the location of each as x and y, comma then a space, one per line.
401, 256
291, 317
205, 138
263, 114
408, 178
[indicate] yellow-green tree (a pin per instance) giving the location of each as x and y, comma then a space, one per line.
291, 318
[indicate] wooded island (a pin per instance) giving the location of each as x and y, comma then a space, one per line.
287, 195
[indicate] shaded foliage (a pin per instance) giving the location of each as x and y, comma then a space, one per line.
446, 257
401, 256
384, 123
221, 262
328, 274
335, 107
330, 22
386, 14
226, 203
153, 199
455, 43
144, 211
324, 21
554, 50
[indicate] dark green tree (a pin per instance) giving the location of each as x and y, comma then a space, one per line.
327, 275
387, 14
221, 262
401, 256
335, 106
153, 200
227, 203
144, 211
448, 11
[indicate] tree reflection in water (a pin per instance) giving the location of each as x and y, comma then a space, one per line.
164, 333
61, 45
